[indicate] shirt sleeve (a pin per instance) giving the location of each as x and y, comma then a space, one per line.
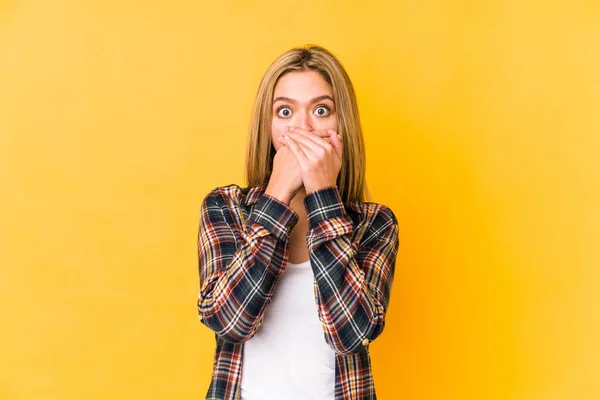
239, 266
354, 281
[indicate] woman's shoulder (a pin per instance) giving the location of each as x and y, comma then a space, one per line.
369, 212
235, 194
377, 212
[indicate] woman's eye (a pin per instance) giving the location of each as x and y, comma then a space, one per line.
322, 111
284, 112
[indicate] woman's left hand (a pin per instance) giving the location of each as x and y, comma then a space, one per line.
319, 161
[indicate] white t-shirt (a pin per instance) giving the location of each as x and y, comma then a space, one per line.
288, 358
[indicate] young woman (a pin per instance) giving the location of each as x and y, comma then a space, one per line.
295, 268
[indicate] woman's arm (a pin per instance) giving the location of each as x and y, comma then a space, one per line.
354, 282
239, 268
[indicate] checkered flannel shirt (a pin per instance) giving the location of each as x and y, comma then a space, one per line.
243, 244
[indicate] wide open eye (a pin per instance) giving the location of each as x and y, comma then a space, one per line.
322, 111
284, 112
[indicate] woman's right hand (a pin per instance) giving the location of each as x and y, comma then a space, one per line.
285, 179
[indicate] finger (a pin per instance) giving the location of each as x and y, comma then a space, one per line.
310, 135
336, 142
296, 150
284, 140
316, 136
310, 148
314, 144
325, 138
308, 152
322, 133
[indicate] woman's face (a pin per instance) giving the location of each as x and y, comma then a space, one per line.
305, 100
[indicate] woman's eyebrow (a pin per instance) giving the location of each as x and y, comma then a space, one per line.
290, 100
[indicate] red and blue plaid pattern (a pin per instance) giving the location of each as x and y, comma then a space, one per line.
243, 242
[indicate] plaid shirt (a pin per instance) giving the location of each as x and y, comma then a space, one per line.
243, 244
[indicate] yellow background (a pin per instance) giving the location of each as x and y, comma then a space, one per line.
482, 127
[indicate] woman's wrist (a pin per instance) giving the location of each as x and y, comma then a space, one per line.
279, 194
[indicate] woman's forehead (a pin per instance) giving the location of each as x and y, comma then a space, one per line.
302, 86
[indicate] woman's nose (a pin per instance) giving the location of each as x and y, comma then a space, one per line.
303, 120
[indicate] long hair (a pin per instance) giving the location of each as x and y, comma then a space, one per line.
260, 151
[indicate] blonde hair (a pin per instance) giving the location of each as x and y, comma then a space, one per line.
351, 180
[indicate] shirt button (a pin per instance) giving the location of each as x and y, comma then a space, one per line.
365, 342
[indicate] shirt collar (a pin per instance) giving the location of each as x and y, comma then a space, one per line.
254, 193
